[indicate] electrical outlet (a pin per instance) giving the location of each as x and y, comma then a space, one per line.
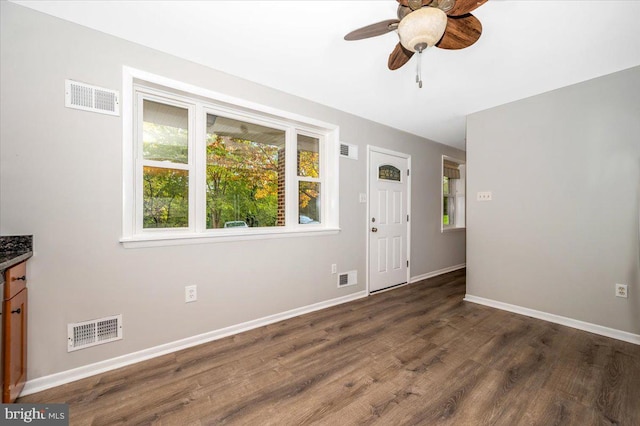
190, 293
484, 196
622, 290
334, 268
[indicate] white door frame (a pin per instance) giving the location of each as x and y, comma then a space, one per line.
371, 148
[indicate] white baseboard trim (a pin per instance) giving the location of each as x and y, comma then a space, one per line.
436, 273
569, 322
46, 382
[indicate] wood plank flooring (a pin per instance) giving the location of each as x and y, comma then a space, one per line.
416, 355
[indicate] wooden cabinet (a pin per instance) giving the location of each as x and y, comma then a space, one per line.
14, 336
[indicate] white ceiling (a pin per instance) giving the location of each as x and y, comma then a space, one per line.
526, 48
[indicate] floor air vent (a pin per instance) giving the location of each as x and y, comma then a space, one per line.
347, 278
95, 332
91, 98
349, 151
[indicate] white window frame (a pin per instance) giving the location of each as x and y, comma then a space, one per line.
322, 172
459, 220
140, 162
138, 85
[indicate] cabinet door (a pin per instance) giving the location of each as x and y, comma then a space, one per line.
15, 344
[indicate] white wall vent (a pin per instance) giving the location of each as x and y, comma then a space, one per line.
91, 98
347, 278
94, 332
349, 151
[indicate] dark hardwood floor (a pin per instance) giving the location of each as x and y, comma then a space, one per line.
416, 355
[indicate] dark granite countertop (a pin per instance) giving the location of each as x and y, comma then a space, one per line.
8, 259
13, 250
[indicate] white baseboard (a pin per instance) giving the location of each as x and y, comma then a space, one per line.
42, 383
436, 273
569, 322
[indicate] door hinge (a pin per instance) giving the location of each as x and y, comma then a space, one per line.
407, 172
407, 263
407, 218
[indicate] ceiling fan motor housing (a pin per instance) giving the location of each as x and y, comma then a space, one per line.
422, 26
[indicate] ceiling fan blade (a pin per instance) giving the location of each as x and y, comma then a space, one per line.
399, 57
461, 32
462, 7
372, 30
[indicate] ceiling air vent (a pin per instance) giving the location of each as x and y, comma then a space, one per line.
94, 332
91, 98
347, 278
349, 151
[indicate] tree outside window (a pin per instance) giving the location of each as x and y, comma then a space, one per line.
244, 164
453, 194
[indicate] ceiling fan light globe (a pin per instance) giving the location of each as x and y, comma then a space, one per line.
422, 26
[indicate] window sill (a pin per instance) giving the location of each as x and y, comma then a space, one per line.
175, 239
453, 229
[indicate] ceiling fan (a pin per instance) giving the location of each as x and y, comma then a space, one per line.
447, 24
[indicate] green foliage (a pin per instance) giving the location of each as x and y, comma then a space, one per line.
161, 152
165, 143
165, 190
242, 182
165, 197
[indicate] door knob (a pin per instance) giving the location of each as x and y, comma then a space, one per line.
374, 229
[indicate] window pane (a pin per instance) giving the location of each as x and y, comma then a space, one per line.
389, 172
452, 210
448, 210
165, 197
245, 174
445, 185
308, 156
165, 132
308, 202
445, 211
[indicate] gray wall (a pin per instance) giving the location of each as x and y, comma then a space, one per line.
61, 181
562, 228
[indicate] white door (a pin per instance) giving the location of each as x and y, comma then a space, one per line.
388, 219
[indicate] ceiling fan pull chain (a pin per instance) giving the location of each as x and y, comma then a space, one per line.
419, 70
